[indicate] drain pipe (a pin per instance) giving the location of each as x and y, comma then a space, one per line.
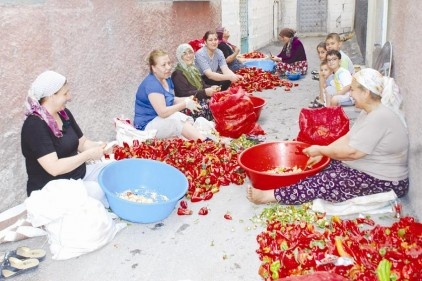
276, 10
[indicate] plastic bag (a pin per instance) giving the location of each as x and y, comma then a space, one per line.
125, 132
197, 44
323, 125
233, 112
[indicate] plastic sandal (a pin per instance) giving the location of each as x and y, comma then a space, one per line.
28, 253
12, 266
314, 72
315, 77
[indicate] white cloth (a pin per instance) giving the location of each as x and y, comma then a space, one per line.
369, 204
46, 84
75, 222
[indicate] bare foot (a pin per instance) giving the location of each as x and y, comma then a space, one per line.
259, 196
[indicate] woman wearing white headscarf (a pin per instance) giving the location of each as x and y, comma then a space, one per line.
188, 82
52, 143
371, 158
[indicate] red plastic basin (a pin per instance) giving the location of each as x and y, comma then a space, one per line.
260, 158
258, 105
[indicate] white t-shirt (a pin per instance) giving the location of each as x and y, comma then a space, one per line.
383, 137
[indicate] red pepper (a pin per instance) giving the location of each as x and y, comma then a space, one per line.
203, 211
184, 204
227, 216
182, 212
208, 195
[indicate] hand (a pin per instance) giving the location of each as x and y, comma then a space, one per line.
96, 152
211, 90
235, 78
313, 160
276, 59
192, 105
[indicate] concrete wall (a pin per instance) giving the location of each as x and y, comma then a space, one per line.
100, 46
404, 32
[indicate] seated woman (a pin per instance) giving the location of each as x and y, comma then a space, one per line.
188, 82
371, 158
52, 143
292, 57
212, 64
156, 107
229, 50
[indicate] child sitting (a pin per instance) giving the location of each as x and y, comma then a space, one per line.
338, 93
325, 77
333, 42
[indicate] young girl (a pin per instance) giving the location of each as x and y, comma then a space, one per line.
322, 54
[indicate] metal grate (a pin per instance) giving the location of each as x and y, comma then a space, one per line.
312, 15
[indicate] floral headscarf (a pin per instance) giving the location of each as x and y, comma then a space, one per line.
383, 86
45, 85
189, 71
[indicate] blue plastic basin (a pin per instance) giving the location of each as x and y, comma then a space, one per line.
266, 65
132, 174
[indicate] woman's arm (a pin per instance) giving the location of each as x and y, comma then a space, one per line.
159, 104
89, 150
338, 150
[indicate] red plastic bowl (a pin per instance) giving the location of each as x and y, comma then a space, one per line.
260, 158
258, 105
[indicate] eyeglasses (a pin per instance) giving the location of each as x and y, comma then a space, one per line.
333, 59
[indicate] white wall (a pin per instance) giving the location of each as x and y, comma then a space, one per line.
230, 19
341, 15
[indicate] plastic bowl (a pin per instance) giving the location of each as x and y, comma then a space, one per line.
154, 176
260, 158
293, 76
265, 65
258, 105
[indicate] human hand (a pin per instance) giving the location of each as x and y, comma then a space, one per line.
313, 160
312, 150
211, 90
96, 152
192, 105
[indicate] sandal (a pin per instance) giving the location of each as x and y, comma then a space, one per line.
315, 77
314, 72
12, 266
27, 253
315, 105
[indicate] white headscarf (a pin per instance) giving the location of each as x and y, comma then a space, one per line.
45, 85
383, 86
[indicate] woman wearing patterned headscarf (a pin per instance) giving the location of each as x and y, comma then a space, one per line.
371, 158
52, 143
292, 57
188, 82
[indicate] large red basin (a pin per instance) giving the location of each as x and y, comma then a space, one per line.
260, 158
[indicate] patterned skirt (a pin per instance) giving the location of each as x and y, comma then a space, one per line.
204, 112
337, 183
298, 66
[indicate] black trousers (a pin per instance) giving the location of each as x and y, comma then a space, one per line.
224, 84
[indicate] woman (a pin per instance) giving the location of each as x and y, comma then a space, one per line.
292, 57
370, 159
156, 107
212, 63
52, 143
229, 50
188, 82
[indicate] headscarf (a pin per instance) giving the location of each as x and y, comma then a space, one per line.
383, 86
220, 32
189, 71
290, 33
45, 85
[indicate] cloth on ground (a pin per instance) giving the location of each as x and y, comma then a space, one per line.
369, 204
75, 222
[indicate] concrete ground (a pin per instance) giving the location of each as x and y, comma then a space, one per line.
196, 248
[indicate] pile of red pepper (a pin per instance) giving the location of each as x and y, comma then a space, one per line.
299, 249
256, 80
253, 55
206, 164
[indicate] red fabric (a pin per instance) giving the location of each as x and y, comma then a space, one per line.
323, 125
197, 44
233, 113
